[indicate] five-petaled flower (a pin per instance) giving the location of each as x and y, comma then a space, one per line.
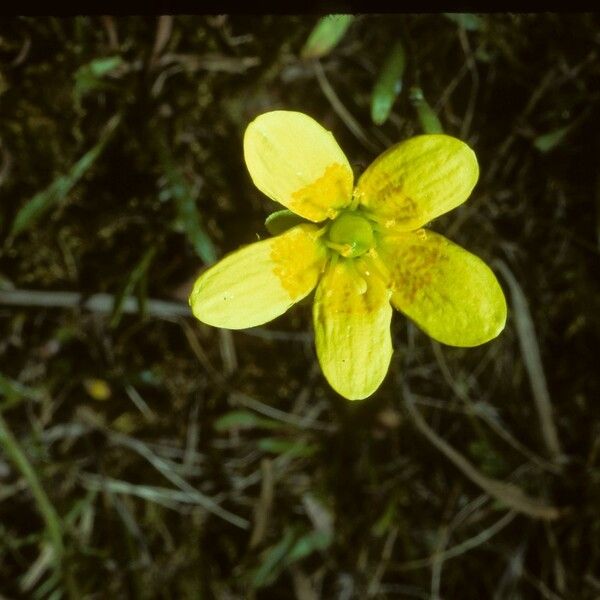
363, 248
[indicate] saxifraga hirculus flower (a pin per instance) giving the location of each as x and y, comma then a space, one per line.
363, 248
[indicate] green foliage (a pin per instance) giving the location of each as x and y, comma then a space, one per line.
293, 546
136, 278
179, 190
548, 141
13, 390
326, 34
243, 419
90, 77
388, 84
58, 191
428, 120
290, 447
273, 561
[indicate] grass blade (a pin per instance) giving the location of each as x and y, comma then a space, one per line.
167, 497
188, 217
273, 561
51, 519
14, 390
59, 189
136, 275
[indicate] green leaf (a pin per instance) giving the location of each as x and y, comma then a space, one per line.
387, 519
388, 84
185, 195
307, 544
273, 562
60, 188
243, 419
298, 448
136, 275
89, 76
546, 142
427, 117
13, 390
282, 220
292, 547
468, 21
326, 34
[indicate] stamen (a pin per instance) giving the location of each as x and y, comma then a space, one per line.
321, 232
356, 198
344, 249
381, 221
354, 202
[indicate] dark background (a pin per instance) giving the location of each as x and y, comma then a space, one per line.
122, 173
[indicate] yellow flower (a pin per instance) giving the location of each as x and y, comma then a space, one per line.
363, 248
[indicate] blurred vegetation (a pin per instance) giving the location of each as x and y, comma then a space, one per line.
144, 455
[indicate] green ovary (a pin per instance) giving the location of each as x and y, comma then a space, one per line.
351, 235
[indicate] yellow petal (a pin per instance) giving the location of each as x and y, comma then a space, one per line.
296, 162
418, 180
351, 317
448, 292
261, 281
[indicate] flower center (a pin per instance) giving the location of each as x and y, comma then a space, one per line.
351, 235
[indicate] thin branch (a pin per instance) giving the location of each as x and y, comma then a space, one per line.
100, 303
341, 110
507, 493
167, 497
104, 303
469, 544
533, 362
